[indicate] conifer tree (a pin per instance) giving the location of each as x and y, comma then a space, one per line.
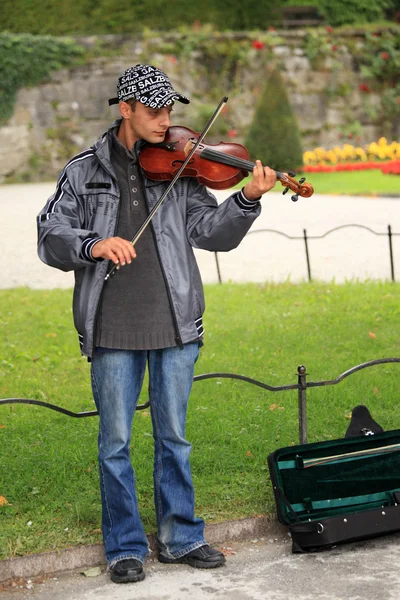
273, 136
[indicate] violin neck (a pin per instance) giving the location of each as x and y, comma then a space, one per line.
229, 159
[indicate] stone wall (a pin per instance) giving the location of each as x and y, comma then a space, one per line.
53, 121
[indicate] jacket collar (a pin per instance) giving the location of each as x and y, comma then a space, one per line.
102, 148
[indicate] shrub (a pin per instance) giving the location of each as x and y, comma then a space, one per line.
273, 136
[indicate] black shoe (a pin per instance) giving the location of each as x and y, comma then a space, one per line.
127, 570
201, 558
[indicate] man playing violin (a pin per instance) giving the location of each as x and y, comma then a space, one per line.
148, 315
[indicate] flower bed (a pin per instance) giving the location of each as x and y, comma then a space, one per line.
389, 167
377, 155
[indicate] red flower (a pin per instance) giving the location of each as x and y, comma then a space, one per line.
258, 45
364, 88
329, 29
232, 133
334, 47
270, 28
385, 55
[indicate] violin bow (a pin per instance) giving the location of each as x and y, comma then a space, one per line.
155, 208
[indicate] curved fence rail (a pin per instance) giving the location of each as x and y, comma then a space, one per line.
301, 386
305, 237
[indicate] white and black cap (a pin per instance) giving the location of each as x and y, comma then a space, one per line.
147, 85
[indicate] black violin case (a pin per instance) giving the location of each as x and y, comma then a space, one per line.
338, 491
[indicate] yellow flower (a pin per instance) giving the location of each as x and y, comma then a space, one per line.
309, 157
360, 153
320, 152
331, 156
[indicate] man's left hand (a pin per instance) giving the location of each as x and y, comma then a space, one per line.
262, 181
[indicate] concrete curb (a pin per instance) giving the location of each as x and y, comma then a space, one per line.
90, 556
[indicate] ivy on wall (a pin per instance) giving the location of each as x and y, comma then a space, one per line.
375, 58
27, 60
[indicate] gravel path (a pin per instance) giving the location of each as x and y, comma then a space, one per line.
350, 253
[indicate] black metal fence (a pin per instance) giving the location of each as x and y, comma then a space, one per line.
305, 237
301, 386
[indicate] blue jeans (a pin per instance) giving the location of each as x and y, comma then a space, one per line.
117, 378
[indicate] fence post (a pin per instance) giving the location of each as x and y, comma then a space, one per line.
218, 269
307, 254
391, 252
302, 392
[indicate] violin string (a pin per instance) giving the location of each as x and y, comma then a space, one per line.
246, 165
235, 161
227, 159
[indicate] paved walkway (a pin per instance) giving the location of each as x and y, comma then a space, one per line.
262, 569
345, 254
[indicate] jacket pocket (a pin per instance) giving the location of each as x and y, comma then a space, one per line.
99, 208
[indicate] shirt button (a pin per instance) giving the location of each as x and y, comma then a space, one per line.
135, 203
133, 177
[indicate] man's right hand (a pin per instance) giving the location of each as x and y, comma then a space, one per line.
117, 249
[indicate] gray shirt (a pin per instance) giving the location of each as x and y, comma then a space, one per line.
135, 311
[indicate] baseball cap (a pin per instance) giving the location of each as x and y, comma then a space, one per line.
148, 85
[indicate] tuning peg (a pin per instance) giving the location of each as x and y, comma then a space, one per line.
295, 197
291, 174
302, 180
285, 191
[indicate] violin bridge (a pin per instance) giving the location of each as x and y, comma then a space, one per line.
188, 147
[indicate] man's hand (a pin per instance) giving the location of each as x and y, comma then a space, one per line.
263, 180
117, 249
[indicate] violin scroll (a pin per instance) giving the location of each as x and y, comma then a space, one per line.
300, 188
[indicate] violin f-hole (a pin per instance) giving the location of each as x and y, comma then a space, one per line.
178, 163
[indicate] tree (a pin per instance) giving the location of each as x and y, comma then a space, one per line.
273, 136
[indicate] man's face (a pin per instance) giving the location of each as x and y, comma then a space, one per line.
149, 124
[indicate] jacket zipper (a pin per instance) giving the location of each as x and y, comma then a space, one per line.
178, 338
96, 312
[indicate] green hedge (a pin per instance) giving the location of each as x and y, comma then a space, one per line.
350, 12
27, 60
75, 17
89, 17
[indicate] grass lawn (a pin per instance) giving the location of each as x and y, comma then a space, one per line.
362, 183
48, 462
365, 183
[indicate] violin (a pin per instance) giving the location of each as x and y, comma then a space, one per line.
218, 166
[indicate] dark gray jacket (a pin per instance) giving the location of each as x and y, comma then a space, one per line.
84, 209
